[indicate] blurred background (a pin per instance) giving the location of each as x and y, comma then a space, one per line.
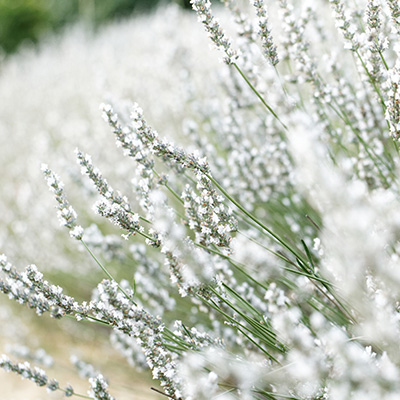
29, 20
58, 61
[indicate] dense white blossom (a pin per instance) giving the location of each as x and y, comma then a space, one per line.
260, 249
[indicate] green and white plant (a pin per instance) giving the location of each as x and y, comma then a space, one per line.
265, 249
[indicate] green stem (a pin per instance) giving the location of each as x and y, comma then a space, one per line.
82, 396
172, 191
106, 272
259, 96
254, 219
378, 92
383, 60
372, 155
89, 318
236, 324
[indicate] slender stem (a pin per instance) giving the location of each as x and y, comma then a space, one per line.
82, 396
378, 92
89, 318
259, 96
254, 219
162, 393
106, 272
144, 219
373, 156
236, 324
172, 191
384, 61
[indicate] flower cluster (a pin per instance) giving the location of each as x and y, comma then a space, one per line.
376, 40
393, 102
261, 258
115, 309
344, 23
98, 389
119, 216
264, 32
30, 288
212, 26
162, 148
207, 215
34, 374
195, 339
66, 214
133, 147
101, 184
395, 13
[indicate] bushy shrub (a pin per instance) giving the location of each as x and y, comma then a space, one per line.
21, 20
264, 249
28, 21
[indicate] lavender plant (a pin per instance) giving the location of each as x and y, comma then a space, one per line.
264, 251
